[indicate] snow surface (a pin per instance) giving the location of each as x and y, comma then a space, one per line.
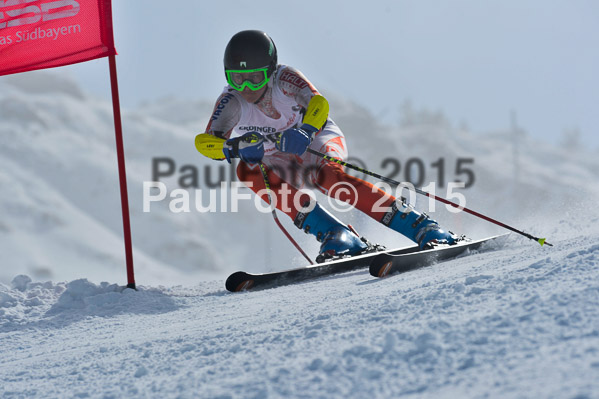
519, 321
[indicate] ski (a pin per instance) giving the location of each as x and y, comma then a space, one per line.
242, 281
381, 263
384, 264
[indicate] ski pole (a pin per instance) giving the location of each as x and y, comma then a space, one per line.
274, 213
419, 191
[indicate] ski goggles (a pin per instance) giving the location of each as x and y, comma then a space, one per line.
255, 79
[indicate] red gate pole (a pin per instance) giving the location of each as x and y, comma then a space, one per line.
120, 153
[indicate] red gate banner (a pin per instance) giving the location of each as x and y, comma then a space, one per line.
37, 34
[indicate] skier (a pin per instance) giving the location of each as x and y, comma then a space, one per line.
260, 114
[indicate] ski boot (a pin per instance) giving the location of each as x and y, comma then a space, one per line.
417, 226
337, 240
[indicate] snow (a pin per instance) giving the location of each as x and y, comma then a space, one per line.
519, 321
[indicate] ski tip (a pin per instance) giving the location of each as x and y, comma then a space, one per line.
381, 265
239, 281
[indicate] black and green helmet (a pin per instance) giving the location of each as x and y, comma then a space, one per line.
250, 60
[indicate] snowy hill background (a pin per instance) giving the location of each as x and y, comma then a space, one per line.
519, 321
61, 212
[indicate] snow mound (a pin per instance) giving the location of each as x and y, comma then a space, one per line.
26, 303
82, 297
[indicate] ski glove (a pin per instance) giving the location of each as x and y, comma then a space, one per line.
296, 140
249, 148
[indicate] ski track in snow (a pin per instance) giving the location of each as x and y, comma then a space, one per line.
522, 321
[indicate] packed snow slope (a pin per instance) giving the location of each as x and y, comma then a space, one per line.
61, 217
511, 322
